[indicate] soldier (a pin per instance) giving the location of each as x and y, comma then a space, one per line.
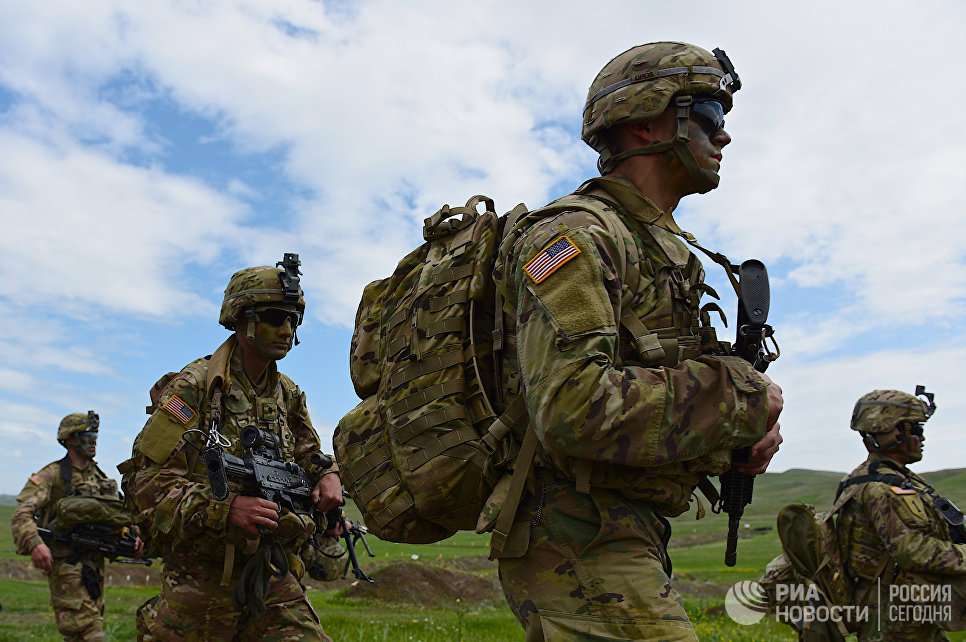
231, 567
893, 528
623, 390
76, 584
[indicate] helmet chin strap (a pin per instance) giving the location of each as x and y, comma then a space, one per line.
250, 329
707, 180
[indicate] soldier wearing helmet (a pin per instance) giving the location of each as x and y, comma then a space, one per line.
231, 567
894, 528
618, 362
76, 583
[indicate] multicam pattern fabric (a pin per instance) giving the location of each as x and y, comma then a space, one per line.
642, 101
890, 534
640, 417
79, 617
880, 411
193, 607
250, 287
187, 527
411, 453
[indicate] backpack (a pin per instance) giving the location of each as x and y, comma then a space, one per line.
810, 546
425, 448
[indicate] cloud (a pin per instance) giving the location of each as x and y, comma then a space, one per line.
819, 398
85, 230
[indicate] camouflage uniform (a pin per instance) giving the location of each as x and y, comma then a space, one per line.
79, 616
204, 555
627, 422
890, 531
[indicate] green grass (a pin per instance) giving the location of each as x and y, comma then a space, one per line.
697, 549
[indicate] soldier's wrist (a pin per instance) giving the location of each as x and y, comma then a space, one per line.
33, 543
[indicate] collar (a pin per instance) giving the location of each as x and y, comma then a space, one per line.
878, 460
632, 202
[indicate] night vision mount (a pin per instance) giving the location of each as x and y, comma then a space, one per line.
290, 276
930, 399
731, 81
93, 420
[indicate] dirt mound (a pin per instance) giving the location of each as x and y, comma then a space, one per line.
117, 574
427, 586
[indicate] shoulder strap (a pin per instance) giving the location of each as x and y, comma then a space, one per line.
892, 480
66, 471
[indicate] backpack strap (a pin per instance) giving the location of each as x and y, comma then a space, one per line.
66, 471
521, 470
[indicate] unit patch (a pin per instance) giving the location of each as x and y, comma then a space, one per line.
902, 491
181, 411
550, 259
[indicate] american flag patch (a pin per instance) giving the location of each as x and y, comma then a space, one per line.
551, 258
181, 411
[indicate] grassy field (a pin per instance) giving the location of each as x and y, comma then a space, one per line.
697, 550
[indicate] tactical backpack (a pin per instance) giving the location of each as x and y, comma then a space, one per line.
810, 545
423, 451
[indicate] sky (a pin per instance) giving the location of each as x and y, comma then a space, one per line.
149, 150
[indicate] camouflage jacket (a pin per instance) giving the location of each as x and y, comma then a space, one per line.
167, 482
39, 497
885, 528
614, 352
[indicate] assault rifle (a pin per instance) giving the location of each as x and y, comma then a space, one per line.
263, 473
751, 345
96, 539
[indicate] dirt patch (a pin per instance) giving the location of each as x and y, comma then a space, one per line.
117, 574
479, 564
690, 586
427, 586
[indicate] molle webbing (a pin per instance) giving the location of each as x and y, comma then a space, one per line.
416, 454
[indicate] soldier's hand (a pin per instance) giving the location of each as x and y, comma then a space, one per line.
762, 452
251, 513
337, 530
42, 558
138, 548
327, 494
775, 400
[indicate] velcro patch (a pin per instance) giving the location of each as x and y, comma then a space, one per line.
551, 258
902, 491
179, 409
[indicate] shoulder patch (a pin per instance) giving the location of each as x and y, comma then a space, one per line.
551, 258
181, 411
902, 491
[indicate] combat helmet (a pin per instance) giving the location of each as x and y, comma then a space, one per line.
77, 422
263, 286
877, 414
642, 82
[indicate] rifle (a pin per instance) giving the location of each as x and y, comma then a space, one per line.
351, 536
750, 344
97, 539
263, 473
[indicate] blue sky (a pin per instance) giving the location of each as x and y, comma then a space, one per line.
152, 150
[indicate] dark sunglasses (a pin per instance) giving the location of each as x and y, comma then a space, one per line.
915, 428
709, 114
275, 317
